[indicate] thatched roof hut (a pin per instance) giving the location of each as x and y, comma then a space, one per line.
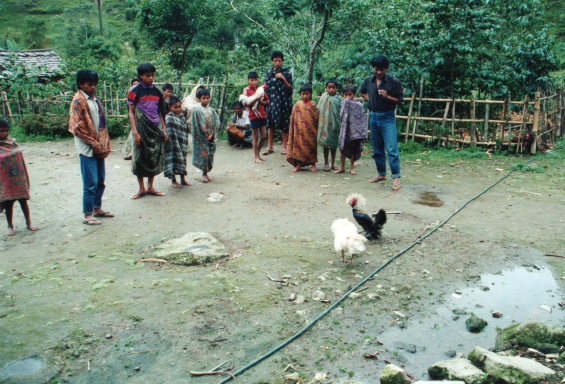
43, 63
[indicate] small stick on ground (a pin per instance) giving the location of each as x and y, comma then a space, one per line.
144, 351
552, 255
276, 280
155, 261
88, 364
115, 325
193, 373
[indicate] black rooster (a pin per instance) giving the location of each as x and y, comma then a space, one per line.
371, 224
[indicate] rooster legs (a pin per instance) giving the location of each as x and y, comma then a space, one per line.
342, 256
351, 260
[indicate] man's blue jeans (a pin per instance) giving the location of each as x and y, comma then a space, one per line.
385, 138
93, 175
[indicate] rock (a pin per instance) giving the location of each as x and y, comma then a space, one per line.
442, 382
373, 296
194, 248
318, 295
509, 369
299, 299
215, 197
529, 335
108, 336
457, 369
355, 295
497, 315
451, 353
292, 297
392, 374
459, 312
475, 324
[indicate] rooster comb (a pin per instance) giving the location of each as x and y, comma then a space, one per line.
356, 200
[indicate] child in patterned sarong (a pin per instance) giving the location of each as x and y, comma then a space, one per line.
302, 135
329, 122
177, 145
353, 129
14, 181
205, 125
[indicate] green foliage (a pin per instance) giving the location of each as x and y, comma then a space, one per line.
172, 25
529, 167
48, 126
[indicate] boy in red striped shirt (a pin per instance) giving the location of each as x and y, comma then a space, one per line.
258, 121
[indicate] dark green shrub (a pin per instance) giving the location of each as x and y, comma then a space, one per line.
118, 127
56, 126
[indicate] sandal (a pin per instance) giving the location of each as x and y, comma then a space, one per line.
92, 221
396, 186
377, 179
103, 214
137, 195
327, 168
268, 152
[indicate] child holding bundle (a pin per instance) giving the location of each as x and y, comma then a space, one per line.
353, 130
329, 122
302, 135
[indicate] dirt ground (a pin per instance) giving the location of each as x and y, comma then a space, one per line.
79, 298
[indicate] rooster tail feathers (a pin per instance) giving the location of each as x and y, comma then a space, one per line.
380, 217
356, 200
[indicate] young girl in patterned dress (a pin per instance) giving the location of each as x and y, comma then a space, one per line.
14, 181
205, 125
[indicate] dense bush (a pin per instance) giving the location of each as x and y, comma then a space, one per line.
118, 127
42, 125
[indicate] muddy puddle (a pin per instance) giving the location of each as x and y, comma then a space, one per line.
521, 294
429, 199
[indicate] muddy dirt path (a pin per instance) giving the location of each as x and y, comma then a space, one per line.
78, 298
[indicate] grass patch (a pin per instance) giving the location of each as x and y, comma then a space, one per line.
528, 167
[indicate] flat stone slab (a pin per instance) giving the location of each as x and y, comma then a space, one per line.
194, 248
509, 369
457, 369
393, 374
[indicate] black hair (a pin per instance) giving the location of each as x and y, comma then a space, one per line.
145, 68
276, 54
86, 76
4, 123
306, 87
168, 86
202, 92
350, 88
252, 75
172, 101
237, 104
380, 61
134, 80
332, 81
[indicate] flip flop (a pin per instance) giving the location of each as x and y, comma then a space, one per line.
137, 195
155, 193
377, 179
92, 221
327, 168
268, 152
104, 214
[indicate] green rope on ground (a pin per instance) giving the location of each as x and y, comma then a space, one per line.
361, 283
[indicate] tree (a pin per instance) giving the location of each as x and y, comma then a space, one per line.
99, 5
173, 25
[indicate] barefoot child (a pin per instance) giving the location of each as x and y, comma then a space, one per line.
205, 124
329, 122
87, 123
14, 181
302, 146
168, 91
353, 129
177, 145
257, 116
147, 119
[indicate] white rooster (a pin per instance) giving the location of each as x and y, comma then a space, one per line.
346, 239
253, 101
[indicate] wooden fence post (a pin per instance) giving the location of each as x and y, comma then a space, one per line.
453, 119
6, 105
507, 116
559, 117
523, 127
485, 129
409, 117
535, 128
473, 125
417, 122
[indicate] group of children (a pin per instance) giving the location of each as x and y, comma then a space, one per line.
333, 123
161, 124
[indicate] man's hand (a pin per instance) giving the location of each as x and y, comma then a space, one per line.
383, 93
280, 76
166, 137
137, 139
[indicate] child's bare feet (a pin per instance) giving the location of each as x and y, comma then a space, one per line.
10, 232
153, 192
185, 182
296, 169
340, 170
258, 160
313, 168
138, 195
353, 172
32, 228
176, 185
327, 167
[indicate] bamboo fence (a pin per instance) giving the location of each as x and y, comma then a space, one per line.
524, 124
